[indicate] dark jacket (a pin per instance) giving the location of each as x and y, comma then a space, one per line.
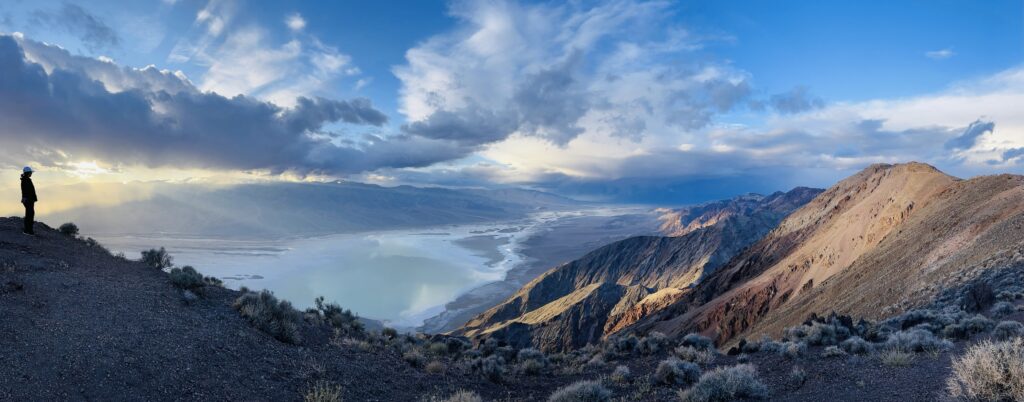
28, 191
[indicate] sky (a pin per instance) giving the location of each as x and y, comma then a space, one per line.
628, 101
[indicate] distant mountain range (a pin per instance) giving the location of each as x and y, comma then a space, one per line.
876, 244
290, 209
610, 288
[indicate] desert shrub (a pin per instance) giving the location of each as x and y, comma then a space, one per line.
531, 361
978, 296
726, 384
792, 350
797, 376
698, 341
596, 361
434, 367
213, 281
916, 340
342, 320
989, 371
532, 367
743, 359
493, 368
389, 333
506, 352
187, 278
461, 396
818, 333
674, 371
752, 346
438, 348
977, 324
1003, 309
856, 345
414, 357
896, 357
1008, 329
621, 374
833, 351
624, 345
582, 391
323, 391
69, 229
653, 343
158, 259
694, 355
277, 318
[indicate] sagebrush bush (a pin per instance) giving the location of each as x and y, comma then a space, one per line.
158, 259
673, 371
694, 355
833, 351
187, 278
531, 361
917, 340
792, 350
582, 391
653, 343
434, 367
621, 374
69, 229
798, 376
726, 384
978, 324
1002, 309
389, 333
697, 341
1008, 329
341, 320
622, 345
275, 317
989, 371
414, 357
856, 345
818, 333
323, 391
493, 368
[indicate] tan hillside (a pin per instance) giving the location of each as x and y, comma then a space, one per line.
610, 288
873, 244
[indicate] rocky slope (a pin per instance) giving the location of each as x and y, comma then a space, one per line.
610, 288
875, 244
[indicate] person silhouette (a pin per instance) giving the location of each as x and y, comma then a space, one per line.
28, 199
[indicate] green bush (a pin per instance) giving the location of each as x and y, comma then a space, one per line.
187, 278
158, 259
276, 318
69, 229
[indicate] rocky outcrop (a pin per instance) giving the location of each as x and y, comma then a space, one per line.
614, 286
875, 244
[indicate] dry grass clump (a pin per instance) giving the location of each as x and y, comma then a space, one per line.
989, 371
726, 384
896, 357
917, 340
461, 396
323, 391
434, 367
833, 351
582, 391
277, 318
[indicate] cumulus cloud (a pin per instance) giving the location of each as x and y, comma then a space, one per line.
1013, 153
93, 32
57, 108
557, 72
295, 22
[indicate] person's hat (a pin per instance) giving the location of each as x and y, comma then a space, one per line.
27, 169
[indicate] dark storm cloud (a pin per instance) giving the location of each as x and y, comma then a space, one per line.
470, 126
94, 33
68, 113
970, 135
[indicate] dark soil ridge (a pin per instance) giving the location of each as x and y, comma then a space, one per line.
80, 324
